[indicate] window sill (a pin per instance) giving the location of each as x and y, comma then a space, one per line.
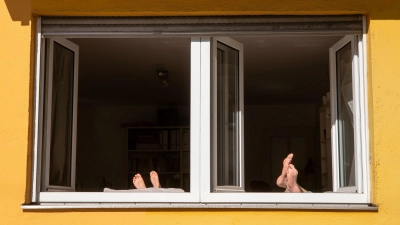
333, 207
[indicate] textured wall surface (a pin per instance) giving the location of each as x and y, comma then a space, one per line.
16, 92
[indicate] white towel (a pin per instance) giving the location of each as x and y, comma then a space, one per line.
151, 189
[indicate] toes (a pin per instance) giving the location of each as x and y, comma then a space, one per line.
136, 177
288, 159
291, 167
153, 174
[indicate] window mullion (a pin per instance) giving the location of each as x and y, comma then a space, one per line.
38, 112
195, 119
205, 68
364, 155
357, 115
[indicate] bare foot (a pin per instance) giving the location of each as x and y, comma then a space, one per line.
292, 179
138, 181
282, 179
154, 179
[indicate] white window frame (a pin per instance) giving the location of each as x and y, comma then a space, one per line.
200, 144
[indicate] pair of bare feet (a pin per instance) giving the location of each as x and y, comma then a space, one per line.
139, 182
288, 178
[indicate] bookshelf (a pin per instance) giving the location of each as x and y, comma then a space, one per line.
165, 150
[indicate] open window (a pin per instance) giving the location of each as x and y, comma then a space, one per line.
213, 115
61, 115
345, 114
227, 105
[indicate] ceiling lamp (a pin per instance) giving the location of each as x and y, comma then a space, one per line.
163, 76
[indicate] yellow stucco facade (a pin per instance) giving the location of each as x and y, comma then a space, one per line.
17, 21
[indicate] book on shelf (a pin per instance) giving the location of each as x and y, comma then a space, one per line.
186, 162
178, 140
186, 140
144, 140
173, 139
161, 138
132, 164
165, 140
159, 163
144, 164
174, 163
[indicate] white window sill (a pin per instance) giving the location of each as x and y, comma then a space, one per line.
61, 206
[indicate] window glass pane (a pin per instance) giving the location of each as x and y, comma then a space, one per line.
227, 116
62, 106
345, 116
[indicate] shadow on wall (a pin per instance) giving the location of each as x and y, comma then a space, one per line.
20, 10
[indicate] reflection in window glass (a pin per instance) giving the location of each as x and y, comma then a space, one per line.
62, 107
227, 114
345, 115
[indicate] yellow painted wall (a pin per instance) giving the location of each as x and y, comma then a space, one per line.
16, 78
